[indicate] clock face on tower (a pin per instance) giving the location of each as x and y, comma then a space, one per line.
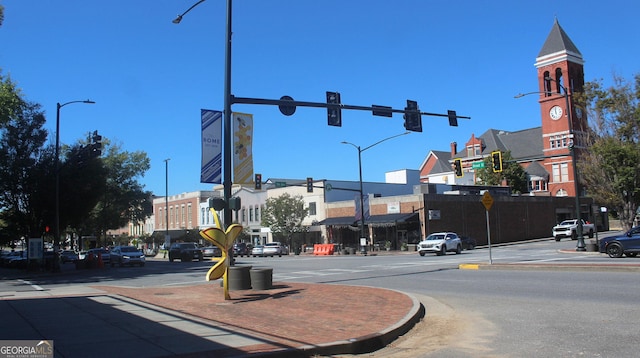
555, 112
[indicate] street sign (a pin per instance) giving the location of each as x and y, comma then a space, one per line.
287, 110
328, 187
383, 111
487, 200
477, 165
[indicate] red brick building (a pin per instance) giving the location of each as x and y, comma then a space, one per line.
545, 152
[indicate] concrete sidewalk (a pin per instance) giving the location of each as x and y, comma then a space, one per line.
289, 320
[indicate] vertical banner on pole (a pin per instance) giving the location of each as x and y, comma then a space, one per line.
242, 148
211, 164
367, 211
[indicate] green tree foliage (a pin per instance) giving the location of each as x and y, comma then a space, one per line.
123, 199
21, 151
96, 193
284, 215
512, 172
610, 170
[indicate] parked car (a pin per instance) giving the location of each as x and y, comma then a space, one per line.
211, 251
68, 256
185, 251
241, 249
468, 243
257, 251
627, 244
439, 243
100, 252
126, 255
18, 259
8, 256
569, 228
274, 248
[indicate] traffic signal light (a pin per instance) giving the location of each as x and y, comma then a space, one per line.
258, 182
309, 185
96, 146
334, 114
496, 160
216, 203
457, 167
453, 118
235, 203
412, 117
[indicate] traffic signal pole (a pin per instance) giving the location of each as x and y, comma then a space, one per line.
377, 110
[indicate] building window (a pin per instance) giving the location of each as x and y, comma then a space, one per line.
538, 185
189, 215
560, 172
559, 141
250, 214
547, 84
257, 216
202, 216
244, 215
312, 208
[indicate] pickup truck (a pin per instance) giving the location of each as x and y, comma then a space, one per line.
568, 228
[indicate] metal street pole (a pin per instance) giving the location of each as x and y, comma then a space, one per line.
363, 248
167, 237
227, 121
226, 149
56, 239
580, 246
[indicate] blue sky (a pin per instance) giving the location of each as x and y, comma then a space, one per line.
150, 77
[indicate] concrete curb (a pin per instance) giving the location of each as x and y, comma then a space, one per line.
369, 343
553, 267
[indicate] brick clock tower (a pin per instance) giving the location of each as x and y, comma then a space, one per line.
564, 126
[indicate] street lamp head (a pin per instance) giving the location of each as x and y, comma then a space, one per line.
177, 19
519, 95
89, 101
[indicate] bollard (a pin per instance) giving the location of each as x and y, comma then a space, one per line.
261, 279
239, 278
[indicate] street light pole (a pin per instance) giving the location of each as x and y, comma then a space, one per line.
167, 238
572, 149
580, 246
363, 248
56, 240
226, 181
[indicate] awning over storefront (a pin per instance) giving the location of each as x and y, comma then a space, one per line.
375, 220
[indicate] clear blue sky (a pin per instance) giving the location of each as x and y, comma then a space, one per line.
150, 78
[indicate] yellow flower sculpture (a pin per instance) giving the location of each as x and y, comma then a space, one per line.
224, 240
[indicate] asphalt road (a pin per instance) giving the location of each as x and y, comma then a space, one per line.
470, 313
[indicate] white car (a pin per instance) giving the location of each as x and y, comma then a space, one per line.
439, 243
126, 255
274, 248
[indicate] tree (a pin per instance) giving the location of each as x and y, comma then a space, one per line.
123, 199
284, 215
512, 172
21, 155
610, 170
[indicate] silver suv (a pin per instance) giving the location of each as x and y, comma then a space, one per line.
126, 255
439, 243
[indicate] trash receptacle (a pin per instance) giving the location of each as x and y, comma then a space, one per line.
239, 278
262, 279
